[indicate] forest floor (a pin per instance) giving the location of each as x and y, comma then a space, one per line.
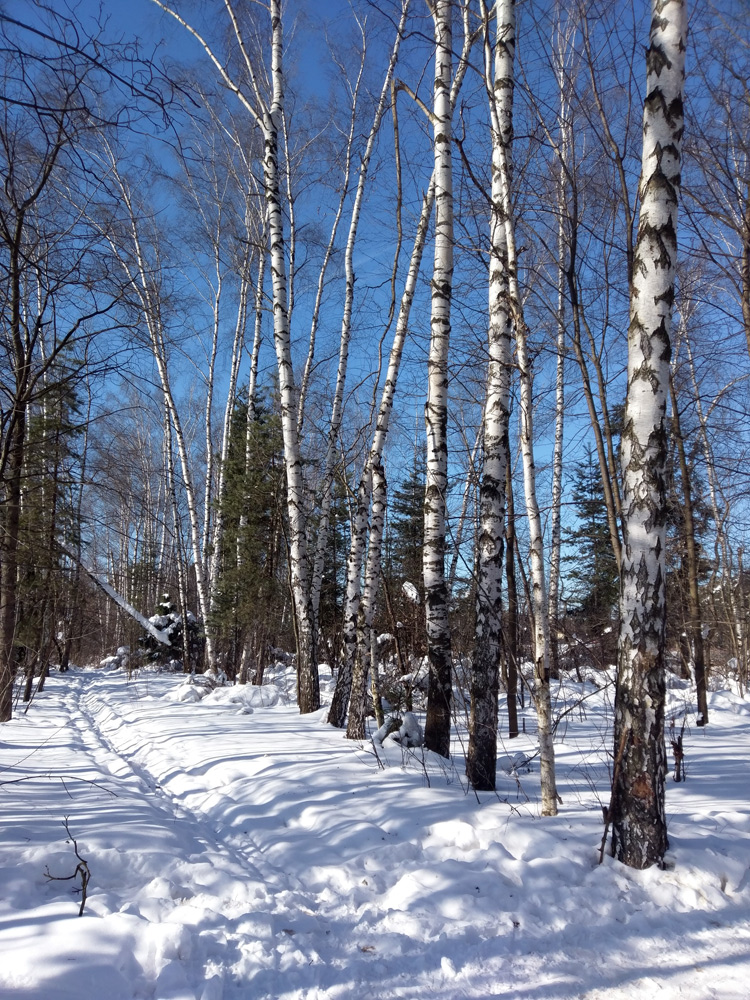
238, 851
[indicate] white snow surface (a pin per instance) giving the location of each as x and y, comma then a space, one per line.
239, 851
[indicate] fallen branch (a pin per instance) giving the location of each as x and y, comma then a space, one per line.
82, 871
161, 637
62, 778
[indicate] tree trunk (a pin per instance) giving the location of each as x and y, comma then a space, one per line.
638, 813
690, 561
355, 561
365, 652
563, 221
269, 117
482, 753
511, 630
324, 504
308, 686
539, 607
9, 529
337, 713
438, 723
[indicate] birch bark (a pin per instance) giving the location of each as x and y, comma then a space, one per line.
356, 728
638, 815
439, 695
482, 754
723, 560
565, 143
142, 274
690, 562
536, 539
346, 319
355, 560
331, 247
308, 687
267, 113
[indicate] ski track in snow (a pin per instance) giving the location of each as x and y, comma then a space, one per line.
252, 853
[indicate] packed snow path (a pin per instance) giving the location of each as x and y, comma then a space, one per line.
237, 850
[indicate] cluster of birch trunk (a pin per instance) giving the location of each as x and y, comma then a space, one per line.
452, 195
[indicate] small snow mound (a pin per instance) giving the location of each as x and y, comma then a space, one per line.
406, 731
515, 763
185, 693
453, 833
410, 592
448, 968
410, 734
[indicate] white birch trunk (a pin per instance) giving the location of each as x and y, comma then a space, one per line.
557, 452
171, 484
469, 489
638, 816
337, 714
209, 408
324, 503
438, 723
355, 560
292, 237
482, 754
365, 652
723, 557
536, 539
345, 188
238, 345
161, 637
268, 116
308, 689
139, 273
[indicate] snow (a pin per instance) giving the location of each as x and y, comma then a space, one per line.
239, 851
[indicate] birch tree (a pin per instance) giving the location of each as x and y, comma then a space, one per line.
138, 253
346, 319
565, 32
690, 560
365, 651
358, 545
482, 753
637, 809
355, 559
438, 723
266, 111
540, 608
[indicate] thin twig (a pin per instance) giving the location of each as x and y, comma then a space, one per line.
82, 871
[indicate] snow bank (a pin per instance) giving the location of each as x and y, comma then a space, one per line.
238, 850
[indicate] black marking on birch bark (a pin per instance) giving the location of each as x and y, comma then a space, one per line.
672, 112
656, 57
661, 237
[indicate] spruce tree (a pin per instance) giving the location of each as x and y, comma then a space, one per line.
252, 567
592, 574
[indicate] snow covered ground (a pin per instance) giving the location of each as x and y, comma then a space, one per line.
238, 850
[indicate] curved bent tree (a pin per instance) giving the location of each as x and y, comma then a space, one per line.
637, 810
